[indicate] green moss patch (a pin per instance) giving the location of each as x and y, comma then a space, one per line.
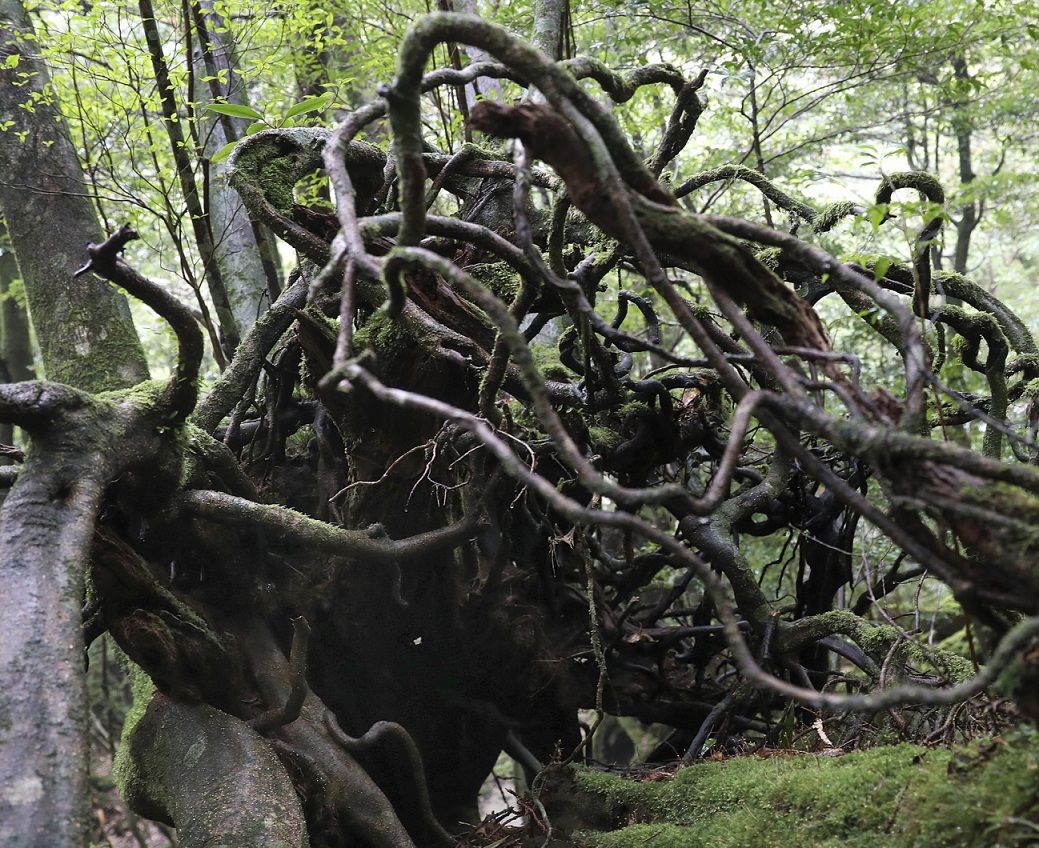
984, 794
384, 335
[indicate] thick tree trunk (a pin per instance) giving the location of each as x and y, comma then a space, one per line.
45, 527
80, 444
86, 335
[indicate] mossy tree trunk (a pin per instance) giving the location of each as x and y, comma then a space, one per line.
83, 325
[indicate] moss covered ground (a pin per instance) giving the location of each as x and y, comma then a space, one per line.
985, 793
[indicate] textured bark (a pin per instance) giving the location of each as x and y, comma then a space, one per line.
212, 776
86, 335
248, 265
969, 217
46, 522
14, 325
16, 359
80, 445
549, 26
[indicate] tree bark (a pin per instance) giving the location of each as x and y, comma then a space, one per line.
16, 357
550, 17
45, 529
243, 250
86, 335
969, 218
212, 776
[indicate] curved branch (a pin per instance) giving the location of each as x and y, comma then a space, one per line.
293, 527
930, 188
1008, 649
179, 398
651, 221
1017, 332
756, 179
533, 381
822, 263
289, 711
390, 729
552, 80
249, 359
344, 789
621, 87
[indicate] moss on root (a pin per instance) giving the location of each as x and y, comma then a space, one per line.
983, 794
387, 336
133, 786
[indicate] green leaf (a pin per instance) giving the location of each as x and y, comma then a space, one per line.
878, 214
235, 110
312, 104
256, 127
223, 152
12, 60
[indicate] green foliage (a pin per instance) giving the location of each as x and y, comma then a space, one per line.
827, 97
802, 95
264, 122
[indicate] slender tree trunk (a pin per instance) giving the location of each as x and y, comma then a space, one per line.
193, 197
16, 359
489, 88
86, 335
14, 325
550, 22
969, 217
242, 249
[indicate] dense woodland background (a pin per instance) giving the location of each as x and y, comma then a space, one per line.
535, 423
